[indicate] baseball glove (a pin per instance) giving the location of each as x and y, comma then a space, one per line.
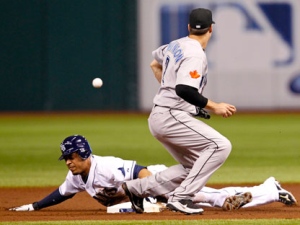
202, 113
110, 196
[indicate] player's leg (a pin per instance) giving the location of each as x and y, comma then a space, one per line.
261, 194
228, 199
267, 192
161, 183
196, 146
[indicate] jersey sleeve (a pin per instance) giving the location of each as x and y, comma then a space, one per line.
70, 186
158, 54
122, 170
113, 171
190, 72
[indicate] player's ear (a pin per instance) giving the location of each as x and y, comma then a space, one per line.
210, 28
189, 28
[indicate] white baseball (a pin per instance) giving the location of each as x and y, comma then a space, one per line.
97, 83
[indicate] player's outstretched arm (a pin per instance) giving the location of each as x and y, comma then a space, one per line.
52, 199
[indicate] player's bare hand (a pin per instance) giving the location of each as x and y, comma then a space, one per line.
28, 207
224, 109
230, 110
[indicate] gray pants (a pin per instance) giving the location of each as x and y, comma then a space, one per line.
198, 148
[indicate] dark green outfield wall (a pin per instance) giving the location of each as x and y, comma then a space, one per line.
50, 50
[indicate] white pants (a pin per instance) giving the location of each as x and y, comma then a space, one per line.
262, 194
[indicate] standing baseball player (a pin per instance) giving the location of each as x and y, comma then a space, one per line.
181, 69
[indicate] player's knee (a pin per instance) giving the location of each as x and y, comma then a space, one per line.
225, 146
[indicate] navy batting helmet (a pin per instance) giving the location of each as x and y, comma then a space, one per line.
75, 143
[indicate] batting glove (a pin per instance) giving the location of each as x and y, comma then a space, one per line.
28, 207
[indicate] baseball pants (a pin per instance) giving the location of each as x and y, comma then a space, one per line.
198, 148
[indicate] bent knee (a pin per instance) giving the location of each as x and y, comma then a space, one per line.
225, 146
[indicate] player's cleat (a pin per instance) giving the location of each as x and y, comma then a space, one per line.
185, 206
237, 201
162, 199
285, 196
136, 202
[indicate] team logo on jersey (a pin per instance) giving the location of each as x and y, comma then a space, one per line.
194, 74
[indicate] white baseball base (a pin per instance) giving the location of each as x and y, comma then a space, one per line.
126, 207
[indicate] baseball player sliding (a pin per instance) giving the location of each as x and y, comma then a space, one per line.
102, 177
181, 69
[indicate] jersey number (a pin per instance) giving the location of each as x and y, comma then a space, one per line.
166, 67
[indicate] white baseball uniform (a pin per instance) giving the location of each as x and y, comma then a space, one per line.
199, 149
105, 173
264, 193
110, 172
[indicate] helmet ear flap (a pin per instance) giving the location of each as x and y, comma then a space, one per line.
85, 151
75, 143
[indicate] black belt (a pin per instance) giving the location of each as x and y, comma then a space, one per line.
201, 112
162, 106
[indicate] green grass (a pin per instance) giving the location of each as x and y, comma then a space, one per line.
263, 145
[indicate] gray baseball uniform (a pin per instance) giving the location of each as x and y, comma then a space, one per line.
199, 149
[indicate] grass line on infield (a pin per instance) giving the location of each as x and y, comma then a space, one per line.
162, 222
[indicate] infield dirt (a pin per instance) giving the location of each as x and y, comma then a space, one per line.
83, 207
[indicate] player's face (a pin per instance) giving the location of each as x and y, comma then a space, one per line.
77, 165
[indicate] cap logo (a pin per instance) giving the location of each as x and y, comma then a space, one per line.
194, 74
62, 147
198, 26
